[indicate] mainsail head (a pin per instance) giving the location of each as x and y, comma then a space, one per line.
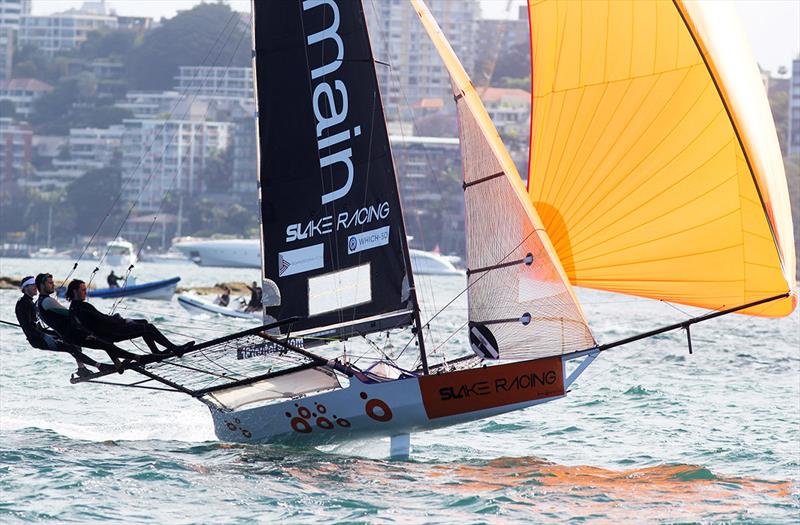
333, 238
654, 162
521, 304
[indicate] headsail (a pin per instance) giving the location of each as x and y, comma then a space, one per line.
655, 165
520, 302
333, 238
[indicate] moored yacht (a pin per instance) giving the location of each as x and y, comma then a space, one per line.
246, 253
120, 252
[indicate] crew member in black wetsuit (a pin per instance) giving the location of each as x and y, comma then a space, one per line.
56, 317
113, 280
43, 339
115, 328
254, 305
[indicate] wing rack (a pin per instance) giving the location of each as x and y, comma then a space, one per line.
234, 360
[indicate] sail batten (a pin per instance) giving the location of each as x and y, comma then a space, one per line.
654, 158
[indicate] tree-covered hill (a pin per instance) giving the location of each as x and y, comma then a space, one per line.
208, 34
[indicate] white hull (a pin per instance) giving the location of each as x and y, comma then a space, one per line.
158, 294
386, 409
196, 305
228, 253
120, 253
389, 409
122, 261
246, 253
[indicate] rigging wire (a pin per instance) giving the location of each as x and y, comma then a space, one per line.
394, 77
130, 179
172, 138
186, 157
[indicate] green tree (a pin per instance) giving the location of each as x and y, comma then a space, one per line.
89, 197
31, 62
515, 63
208, 34
8, 109
102, 116
216, 175
107, 44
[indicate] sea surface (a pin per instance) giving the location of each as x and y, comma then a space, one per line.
648, 434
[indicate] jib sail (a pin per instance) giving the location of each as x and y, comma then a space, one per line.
333, 238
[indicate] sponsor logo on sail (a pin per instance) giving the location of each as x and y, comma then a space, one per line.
301, 260
344, 220
368, 240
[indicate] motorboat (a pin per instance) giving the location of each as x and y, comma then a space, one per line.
156, 290
228, 253
120, 253
196, 305
246, 253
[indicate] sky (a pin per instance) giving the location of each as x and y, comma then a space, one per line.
773, 26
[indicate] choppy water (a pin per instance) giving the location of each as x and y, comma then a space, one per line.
648, 434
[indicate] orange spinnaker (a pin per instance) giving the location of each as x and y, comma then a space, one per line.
655, 165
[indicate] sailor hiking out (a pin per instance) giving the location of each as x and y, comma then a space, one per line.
43, 339
56, 316
85, 317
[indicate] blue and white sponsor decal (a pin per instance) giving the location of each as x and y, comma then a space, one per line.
368, 240
301, 260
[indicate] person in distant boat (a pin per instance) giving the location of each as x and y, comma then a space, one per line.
44, 339
255, 298
225, 298
57, 318
113, 280
115, 328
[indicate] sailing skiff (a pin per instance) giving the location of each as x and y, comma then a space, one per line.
655, 171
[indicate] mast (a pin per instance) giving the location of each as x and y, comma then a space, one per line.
423, 357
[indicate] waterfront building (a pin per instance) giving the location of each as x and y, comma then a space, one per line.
159, 156
16, 152
510, 110
216, 82
139, 24
416, 70
243, 143
148, 104
61, 31
23, 92
7, 39
793, 142
100, 145
86, 149
429, 176
11, 12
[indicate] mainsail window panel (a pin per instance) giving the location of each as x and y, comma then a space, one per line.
338, 290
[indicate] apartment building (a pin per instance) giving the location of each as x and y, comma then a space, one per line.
159, 156
61, 31
23, 92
